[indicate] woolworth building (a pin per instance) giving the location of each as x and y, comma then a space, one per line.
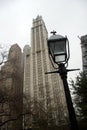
43, 91
35, 99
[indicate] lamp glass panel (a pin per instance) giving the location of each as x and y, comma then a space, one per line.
60, 47
59, 58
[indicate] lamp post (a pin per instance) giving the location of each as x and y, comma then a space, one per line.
58, 47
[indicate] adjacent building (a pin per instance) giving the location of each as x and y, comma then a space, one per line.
45, 92
11, 88
84, 52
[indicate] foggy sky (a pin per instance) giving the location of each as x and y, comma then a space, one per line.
67, 17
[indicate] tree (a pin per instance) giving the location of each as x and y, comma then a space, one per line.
80, 96
3, 55
36, 115
9, 100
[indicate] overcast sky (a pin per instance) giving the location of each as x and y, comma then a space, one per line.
67, 17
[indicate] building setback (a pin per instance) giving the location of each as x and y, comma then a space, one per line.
84, 52
45, 92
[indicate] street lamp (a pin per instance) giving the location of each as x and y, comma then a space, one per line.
58, 47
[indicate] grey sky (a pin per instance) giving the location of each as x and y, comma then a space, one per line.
67, 17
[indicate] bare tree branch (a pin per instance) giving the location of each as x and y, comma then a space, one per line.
13, 119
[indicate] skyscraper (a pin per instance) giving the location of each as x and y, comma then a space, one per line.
84, 52
11, 82
45, 91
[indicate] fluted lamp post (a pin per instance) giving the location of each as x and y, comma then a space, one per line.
58, 47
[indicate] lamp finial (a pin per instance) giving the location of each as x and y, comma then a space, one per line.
53, 32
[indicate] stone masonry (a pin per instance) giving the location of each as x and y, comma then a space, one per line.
11, 81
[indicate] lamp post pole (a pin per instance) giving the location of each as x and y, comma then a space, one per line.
59, 50
63, 74
72, 116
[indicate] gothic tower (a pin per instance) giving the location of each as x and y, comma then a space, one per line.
46, 91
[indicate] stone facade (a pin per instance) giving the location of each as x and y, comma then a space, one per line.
44, 97
11, 78
84, 52
46, 92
